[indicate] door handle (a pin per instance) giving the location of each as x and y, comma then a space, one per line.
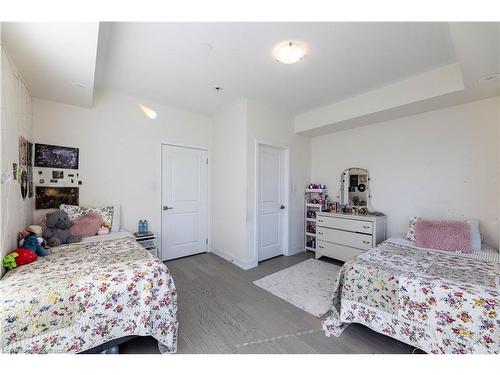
165, 208
282, 207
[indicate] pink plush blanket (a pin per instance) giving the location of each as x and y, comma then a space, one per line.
443, 235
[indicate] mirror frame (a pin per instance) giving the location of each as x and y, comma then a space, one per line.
344, 195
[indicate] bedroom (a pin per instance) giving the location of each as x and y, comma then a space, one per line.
190, 182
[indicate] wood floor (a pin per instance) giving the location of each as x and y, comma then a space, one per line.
221, 311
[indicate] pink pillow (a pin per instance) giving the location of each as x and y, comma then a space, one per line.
443, 235
86, 225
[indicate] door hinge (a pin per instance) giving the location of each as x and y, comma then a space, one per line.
206, 241
207, 161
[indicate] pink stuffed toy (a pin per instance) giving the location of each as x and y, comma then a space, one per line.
86, 225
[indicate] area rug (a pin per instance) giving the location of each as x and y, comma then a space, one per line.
307, 285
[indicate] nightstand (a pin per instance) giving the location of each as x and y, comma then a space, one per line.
148, 241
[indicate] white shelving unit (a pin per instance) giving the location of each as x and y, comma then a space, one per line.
311, 210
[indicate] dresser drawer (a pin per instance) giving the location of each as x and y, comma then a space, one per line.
345, 224
358, 240
335, 251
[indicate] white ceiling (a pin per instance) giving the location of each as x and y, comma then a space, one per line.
350, 76
172, 63
54, 58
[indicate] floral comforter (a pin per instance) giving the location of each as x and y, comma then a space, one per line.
433, 300
83, 295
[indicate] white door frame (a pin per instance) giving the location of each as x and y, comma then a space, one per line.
160, 209
286, 197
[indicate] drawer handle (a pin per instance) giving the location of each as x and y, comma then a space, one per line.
366, 226
321, 247
320, 221
366, 242
320, 233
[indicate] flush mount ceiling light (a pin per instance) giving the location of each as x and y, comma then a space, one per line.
490, 77
289, 52
148, 112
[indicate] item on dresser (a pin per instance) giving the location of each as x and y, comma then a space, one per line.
342, 236
354, 188
143, 226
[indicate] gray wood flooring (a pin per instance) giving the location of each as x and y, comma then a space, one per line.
221, 311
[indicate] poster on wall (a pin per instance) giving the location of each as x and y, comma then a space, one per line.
53, 196
29, 158
50, 156
23, 166
23, 152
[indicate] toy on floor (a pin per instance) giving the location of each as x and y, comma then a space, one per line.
57, 231
18, 257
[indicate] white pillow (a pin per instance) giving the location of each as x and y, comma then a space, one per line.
75, 212
115, 224
475, 234
410, 235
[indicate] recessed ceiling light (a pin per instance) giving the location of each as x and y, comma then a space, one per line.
148, 112
289, 52
218, 89
490, 77
78, 85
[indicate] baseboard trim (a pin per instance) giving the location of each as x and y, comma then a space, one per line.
245, 265
295, 250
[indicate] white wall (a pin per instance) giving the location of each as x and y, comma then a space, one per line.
228, 185
120, 149
440, 165
269, 125
16, 120
236, 130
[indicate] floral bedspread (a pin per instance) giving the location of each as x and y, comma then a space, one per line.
83, 295
433, 300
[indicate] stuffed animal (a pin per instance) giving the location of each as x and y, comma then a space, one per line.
31, 243
18, 257
57, 231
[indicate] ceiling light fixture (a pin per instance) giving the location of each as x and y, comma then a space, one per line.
490, 77
289, 52
218, 89
148, 112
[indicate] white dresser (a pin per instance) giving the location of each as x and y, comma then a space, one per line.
342, 236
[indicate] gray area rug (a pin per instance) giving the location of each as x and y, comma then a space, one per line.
307, 285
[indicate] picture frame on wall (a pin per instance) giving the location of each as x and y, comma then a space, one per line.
53, 196
51, 156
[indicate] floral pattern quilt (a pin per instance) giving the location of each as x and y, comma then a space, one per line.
83, 295
437, 301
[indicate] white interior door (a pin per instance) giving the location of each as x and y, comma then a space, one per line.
271, 203
184, 201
